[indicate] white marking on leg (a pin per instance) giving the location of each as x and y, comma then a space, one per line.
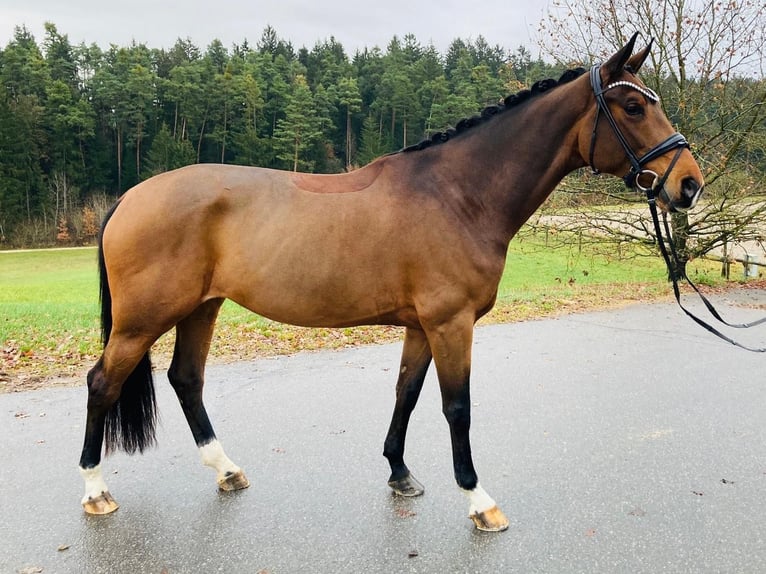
94, 483
479, 500
212, 455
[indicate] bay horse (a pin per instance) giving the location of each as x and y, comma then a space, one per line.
417, 239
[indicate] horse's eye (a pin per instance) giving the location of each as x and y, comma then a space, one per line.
634, 109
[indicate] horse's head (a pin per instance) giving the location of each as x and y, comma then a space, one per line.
627, 134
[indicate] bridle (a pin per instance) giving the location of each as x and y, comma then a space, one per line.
633, 179
637, 178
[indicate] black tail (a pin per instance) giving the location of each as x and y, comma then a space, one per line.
132, 421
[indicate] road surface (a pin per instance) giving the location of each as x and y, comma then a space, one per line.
618, 441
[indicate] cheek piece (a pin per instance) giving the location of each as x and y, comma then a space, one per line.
637, 174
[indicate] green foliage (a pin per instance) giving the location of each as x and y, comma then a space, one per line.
167, 152
86, 120
101, 121
299, 130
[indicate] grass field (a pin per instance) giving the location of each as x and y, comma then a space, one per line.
49, 307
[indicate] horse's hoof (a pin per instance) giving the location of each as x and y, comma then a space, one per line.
492, 520
407, 486
102, 504
233, 481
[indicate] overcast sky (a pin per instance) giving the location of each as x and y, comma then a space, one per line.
354, 24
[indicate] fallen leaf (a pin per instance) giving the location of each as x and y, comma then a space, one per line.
31, 570
63, 547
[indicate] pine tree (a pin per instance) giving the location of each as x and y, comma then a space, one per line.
299, 130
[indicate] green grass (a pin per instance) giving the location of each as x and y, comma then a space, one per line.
49, 300
535, 271
49, 311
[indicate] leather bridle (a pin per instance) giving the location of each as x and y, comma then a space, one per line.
635, 179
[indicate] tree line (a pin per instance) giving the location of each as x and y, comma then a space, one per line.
78, 123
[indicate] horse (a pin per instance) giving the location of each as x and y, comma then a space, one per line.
416, 239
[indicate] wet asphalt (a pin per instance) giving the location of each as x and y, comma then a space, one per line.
618, 441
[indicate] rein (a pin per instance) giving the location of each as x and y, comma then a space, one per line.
656, 188
672, 269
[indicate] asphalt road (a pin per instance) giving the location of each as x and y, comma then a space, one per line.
623, 441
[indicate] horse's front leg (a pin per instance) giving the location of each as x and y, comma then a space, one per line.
451, 346
416, 358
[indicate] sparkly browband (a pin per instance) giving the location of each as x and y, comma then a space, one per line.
646, 91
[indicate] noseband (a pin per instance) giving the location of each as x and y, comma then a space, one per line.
633, 178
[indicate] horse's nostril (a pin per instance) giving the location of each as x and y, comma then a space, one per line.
690, 190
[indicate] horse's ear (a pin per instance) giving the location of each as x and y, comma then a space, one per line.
637, 60
614, 65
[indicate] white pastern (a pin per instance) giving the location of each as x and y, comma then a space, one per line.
479, 500
212, 455
94, 483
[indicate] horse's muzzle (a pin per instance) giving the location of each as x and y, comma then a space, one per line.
654, 186
691, 191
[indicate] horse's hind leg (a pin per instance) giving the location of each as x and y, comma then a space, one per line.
186, 375
416, 357
125, 418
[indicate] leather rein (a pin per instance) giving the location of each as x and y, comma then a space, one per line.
653, 186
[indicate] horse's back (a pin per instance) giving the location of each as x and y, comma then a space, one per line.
292, 247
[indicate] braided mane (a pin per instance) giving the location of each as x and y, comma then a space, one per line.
491, 111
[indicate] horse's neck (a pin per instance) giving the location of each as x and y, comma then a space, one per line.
516, 160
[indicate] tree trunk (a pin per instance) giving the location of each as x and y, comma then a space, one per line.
348, 139
679, 223
393, 126
223, 137
201, 134
295, 156
138, 151
119, 158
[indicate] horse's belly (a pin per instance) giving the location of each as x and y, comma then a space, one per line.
303, 292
